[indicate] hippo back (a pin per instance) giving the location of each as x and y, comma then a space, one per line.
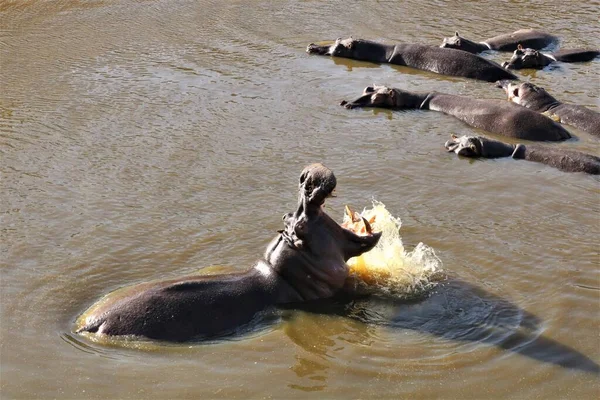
449, 62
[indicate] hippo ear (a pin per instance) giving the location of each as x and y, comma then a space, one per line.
453, 136
519, 47
456, 33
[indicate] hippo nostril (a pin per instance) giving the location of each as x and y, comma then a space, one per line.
343, 103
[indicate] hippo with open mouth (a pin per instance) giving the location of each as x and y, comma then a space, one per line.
538, 99
305, 261
425, 57
523, 58
495, 116
563, 159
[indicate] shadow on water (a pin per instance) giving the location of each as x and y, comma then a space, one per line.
457, 310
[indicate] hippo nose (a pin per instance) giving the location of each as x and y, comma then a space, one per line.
505, 64
503, 83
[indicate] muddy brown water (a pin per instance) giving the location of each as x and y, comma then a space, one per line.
148, 139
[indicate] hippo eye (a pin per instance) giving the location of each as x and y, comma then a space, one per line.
515, 92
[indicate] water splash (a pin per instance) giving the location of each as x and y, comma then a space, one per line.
388, 267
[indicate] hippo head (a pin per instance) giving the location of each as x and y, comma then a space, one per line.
337, 49
459, 43
384, 97
312, 251
466, 146
525, 58
478, 146
527, 95
358, 49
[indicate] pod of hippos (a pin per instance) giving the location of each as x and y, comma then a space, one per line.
530, 114
306, 261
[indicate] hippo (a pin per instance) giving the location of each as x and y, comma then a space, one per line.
507, 42
428, 58
537, 99
530, 58
306, 261
564, 160
495, 116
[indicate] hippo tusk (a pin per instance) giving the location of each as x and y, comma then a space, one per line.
349, 213
368, 227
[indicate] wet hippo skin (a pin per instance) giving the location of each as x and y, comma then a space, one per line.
524, 58
508, 42
563, 159
429, 58
305, 261
495, 116
538, 99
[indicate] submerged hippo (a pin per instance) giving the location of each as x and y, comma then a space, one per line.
305, 261
496, 116
530, 58
537, 99
565, 160
507, 42
424, 57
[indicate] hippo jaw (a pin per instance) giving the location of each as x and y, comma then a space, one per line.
524, 58
311, 253
466, 146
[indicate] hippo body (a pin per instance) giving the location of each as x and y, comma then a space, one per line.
564, 160
537, 99
530, 58
428, 58
507, 42
305, 261
495, 116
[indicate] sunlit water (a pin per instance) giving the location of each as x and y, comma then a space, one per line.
146, 140
388, 268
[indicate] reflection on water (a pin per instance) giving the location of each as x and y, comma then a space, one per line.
146, 140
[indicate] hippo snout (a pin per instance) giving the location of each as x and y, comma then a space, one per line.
317, 49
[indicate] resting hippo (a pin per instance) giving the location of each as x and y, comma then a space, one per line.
537, 99
305, 261
565, 160
507, 42
529, 58
428, 58
496, 116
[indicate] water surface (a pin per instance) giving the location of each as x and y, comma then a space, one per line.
145, 140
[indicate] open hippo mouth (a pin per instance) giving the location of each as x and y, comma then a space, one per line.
466, 146
317, 183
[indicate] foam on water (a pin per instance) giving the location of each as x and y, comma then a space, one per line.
388, 267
